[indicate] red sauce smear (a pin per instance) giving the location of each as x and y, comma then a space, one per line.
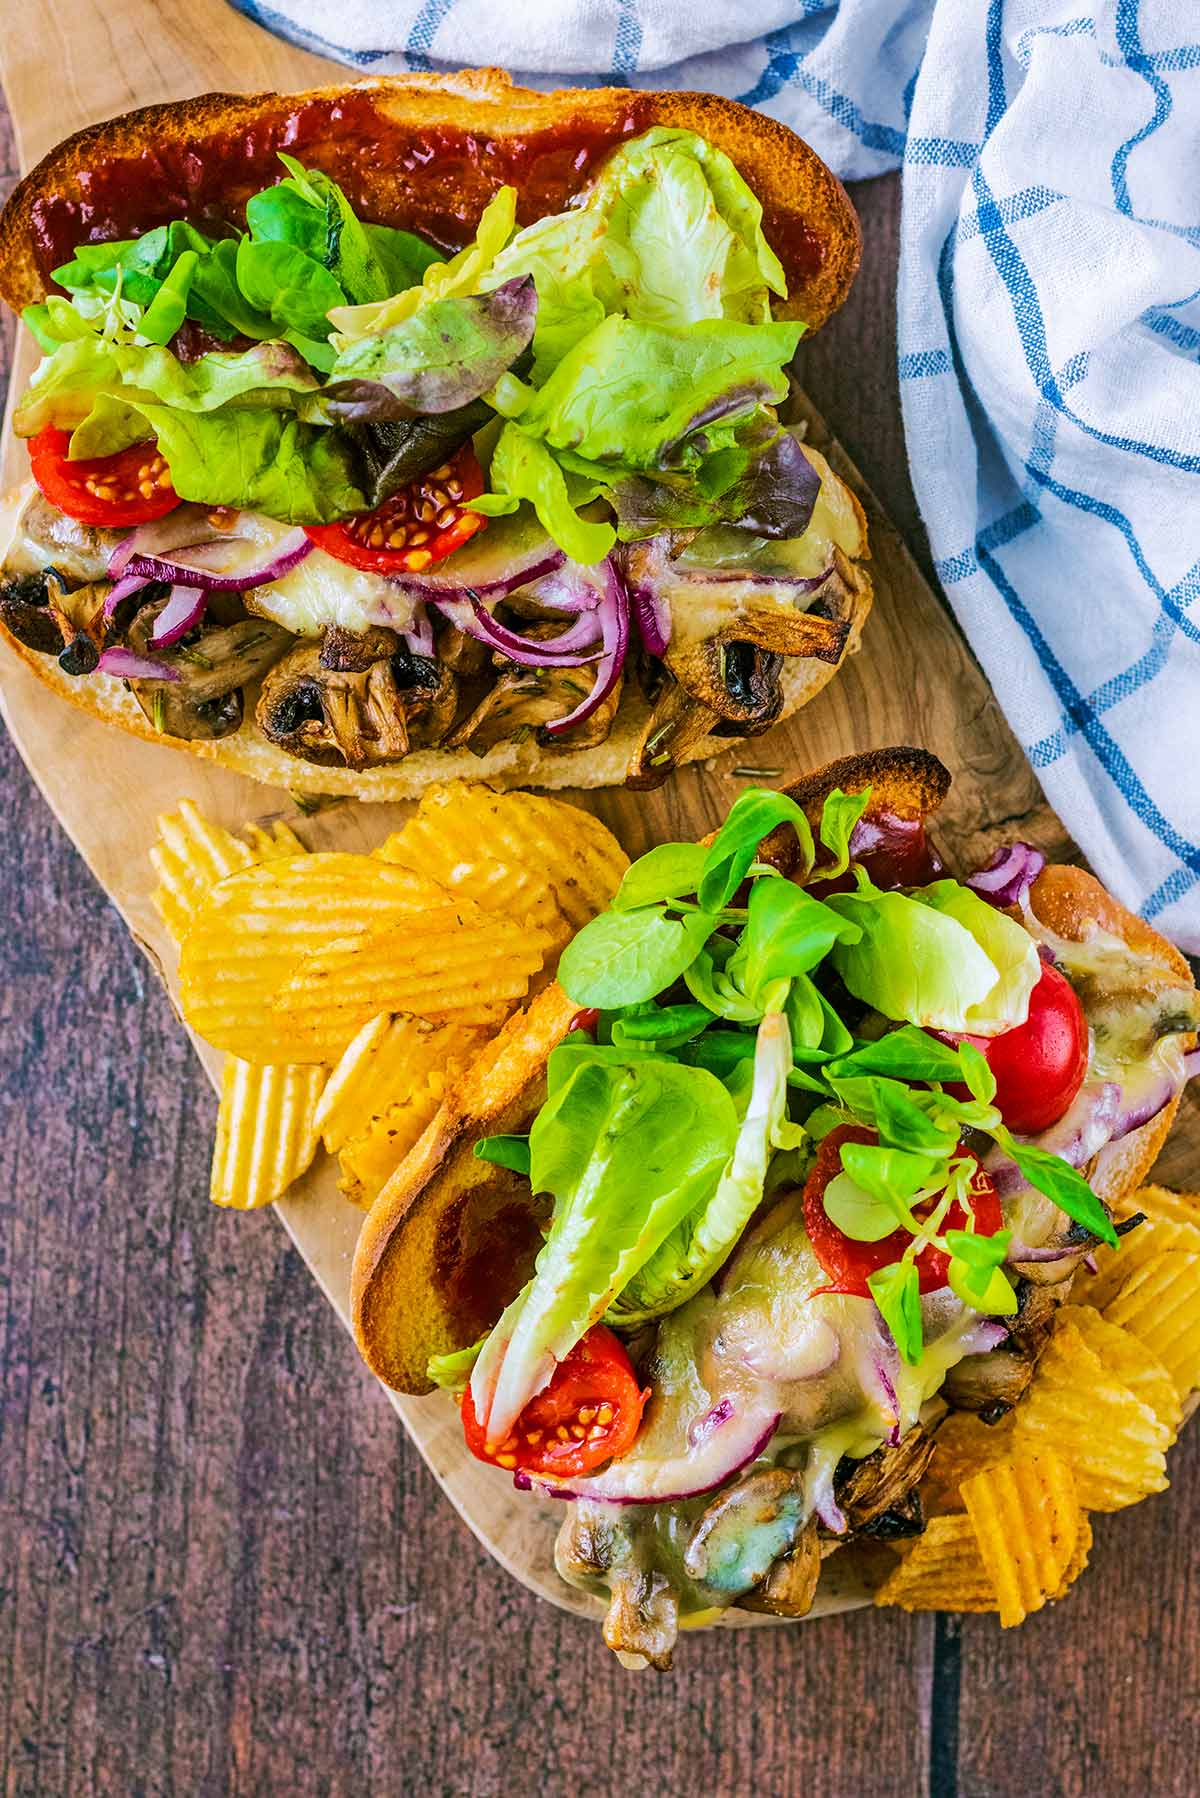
894, 851
438, 178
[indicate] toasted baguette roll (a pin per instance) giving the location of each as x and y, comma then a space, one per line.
426, 152
450, 1240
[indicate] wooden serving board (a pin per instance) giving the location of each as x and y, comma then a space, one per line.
913, 682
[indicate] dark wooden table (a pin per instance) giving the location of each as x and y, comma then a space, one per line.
224, 1570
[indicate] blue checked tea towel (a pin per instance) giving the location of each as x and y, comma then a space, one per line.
1049, 328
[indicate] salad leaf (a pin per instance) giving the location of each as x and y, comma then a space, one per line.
452, 1371
897, 1292
439, 360
627, 1149
564, 253
700, 1245
670, 871
257, 460
622, 958
462, 275
648, 396
523, 469
661, 1027
788, 932
707, 981
293, 290
753, 815
931, 962
1061, 1182
839, 815
856, 1213
771, 494
64, 386
504, 1151
168, 309
904, 1054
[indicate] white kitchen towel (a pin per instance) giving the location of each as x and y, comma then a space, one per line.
1049, 328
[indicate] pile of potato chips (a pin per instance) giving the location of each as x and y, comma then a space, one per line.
1008, 1503
348, 991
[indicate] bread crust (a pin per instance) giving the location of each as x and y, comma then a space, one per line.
812, 215
803, 200
404, 1264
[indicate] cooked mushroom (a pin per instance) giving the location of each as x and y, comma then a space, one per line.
463, 655
993, 1382
353, 652
359, 718
79, 614
879, 1495
24, 612
522, 700
643, 1616
43, 537
743, 1531
206, 702
791, 1585
605, 1552
676, 723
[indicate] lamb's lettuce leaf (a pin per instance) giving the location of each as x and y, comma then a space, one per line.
522, 468
628, 1146
940, 957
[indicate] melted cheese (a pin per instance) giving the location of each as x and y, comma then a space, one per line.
320, 590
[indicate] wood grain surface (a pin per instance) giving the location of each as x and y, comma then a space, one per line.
224, 1569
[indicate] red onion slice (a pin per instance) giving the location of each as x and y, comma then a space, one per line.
121, 589
127, 666
230, 564
653, 617
182, 612
473, 618
511, 553
1009, 875
729, 1445
419, 635
614, 628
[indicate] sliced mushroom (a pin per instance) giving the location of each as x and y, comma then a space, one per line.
743, 1531
353, 652
25, 613
993, 1382
602, 1551
677, 722
525, 700
879, 1495
206, 702
357, 718
643, 1616
463, 655
43, 537
791, 1585
79, 614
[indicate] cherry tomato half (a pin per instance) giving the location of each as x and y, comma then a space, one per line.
590, 1411
129, 488
422, 524
1041, 1064
849, 1263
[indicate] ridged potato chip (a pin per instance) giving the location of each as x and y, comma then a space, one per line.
1160, 1305
1025, 1515
943, 1570
191, 854
1163, 1205
964, 1445
444, 965
1128, 1358
1079, 1560
511, 888
266, 1132
256, 928
1074, 1406
383, 1092
1115, 1266
571, 849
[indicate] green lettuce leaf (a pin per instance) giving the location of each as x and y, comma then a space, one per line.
523, 469
700, 1245
940, 957
463, 274
628, 1147
65, 386
257, 460
648, 396
442, 358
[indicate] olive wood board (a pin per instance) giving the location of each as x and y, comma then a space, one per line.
914, 681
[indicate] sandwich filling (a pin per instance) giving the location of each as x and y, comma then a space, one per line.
395, 500
817, 1151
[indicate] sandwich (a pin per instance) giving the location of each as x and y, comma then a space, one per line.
801, 1153
387, 432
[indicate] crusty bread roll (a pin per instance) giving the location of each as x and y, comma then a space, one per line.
425, 152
